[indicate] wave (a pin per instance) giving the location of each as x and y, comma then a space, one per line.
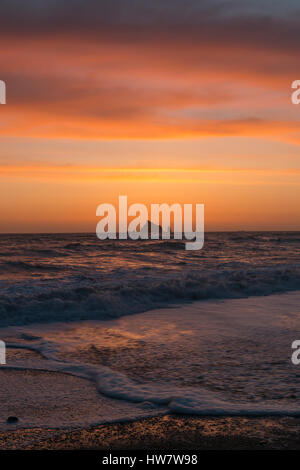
93, 299
8, 266
170, 399
73, 245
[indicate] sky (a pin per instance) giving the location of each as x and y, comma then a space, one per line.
163, 101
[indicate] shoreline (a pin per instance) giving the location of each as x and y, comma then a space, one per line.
143, 361
180, 432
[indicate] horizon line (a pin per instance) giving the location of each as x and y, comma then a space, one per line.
94, 233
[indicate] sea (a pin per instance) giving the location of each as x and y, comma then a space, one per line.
116, 330
46, 278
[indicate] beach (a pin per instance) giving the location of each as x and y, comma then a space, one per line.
149, 226
203, 375
128, 346
168, 433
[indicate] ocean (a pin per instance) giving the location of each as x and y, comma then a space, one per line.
45, 278
106, 331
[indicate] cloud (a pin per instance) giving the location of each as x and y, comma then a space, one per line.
272, 24
140, 69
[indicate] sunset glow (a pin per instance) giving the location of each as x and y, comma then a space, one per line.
196, 109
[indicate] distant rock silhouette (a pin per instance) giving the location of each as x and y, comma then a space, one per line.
155, 229
150, 227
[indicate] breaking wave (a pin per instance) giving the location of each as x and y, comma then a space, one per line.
87, 298
46, 278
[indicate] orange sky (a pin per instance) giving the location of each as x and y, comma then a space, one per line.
193, 109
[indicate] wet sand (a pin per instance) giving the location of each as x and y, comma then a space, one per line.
165, 433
